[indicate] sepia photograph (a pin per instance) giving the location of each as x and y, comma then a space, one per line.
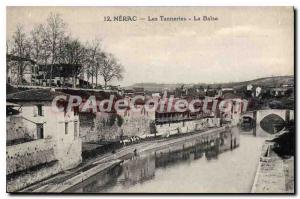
108, 100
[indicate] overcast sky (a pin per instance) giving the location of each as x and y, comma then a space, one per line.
245, 43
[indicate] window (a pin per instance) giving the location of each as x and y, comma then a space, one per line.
40, 131
75, 129
40, 110
66, 128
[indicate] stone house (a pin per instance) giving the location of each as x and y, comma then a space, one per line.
40, 141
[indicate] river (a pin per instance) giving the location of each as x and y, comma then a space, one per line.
205, 168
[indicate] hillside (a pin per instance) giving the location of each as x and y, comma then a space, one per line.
264, 82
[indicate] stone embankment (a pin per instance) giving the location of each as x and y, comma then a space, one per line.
274, 174
62, 182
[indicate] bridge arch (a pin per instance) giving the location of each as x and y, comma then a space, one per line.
266, 122
271, 121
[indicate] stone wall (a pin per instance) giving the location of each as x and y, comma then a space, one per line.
24, 156
31, 176
98, 127
87, 124
136, 126
15, 129
68, 153
107, 126
269, 177
137, 123
186, 126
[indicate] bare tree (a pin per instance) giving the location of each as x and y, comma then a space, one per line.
40, 50
110, 69
55, 31
38, 42
99, 62
74, 54
91, 66
21, 49
8, 51
49, 45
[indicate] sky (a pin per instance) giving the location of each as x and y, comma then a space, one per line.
243, 44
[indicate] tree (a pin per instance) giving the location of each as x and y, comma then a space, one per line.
73, 53
8, 51
37, 40
55, 31
20, 48
48, 45
99, 61
92, 54
40, 51
110, 69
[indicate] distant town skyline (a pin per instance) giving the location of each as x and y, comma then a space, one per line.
239, 46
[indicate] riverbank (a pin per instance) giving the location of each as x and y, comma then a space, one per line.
274, 174
54, 184
202, 168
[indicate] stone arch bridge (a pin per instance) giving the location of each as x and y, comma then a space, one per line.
269, 121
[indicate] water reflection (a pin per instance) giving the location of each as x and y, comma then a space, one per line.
142, 168
138, 169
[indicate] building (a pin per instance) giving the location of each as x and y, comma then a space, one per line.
40, 141
278, 92
288, 85
258, 91
63, 75
14, 65
249, 87
227, 90
32, 73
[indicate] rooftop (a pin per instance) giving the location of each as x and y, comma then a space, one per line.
34, 95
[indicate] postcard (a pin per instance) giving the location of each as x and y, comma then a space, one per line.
150, 100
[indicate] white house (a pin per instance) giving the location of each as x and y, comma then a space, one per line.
249, 87
258, 91
37, 136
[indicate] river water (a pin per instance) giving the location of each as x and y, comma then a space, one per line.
208, 167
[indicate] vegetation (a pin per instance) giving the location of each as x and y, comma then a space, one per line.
49, 44
285, 143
